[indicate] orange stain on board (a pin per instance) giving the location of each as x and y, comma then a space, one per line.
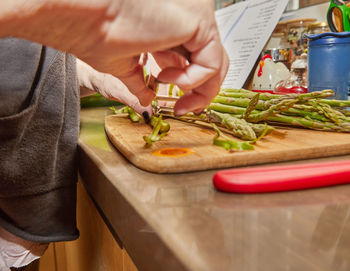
173, 152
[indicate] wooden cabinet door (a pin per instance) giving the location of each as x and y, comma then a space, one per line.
96, 248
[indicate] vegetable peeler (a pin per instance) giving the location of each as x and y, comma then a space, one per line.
282, 178
164, 105
338, 15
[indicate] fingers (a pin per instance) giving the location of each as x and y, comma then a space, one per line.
204, 63
169, 59
134, 80
141, 109
112, 88
198, 98
134, 103
127, 98
201, 78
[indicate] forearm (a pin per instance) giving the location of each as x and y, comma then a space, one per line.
86, 78
65, 25
110, 35
91, 81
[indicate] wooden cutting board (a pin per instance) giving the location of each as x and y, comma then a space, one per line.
284, 144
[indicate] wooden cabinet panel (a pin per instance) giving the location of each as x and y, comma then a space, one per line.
96, 249
128, 264
60, 255
48, 260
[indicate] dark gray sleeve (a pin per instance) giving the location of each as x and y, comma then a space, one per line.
38, 143
20, 63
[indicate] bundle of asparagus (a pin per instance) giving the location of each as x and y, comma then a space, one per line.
309, 110
240, 110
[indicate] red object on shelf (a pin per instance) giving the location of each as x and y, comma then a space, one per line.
295, 89
282, 178
263, 91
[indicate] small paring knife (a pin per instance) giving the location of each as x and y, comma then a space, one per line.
282, 178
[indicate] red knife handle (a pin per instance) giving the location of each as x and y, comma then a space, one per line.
282, 178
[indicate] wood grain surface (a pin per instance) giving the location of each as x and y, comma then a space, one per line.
284, 144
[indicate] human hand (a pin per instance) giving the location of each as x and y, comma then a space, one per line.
167, 25
92, 81
110, 35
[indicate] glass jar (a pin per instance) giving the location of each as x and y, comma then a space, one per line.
318, 28
278, 47
297, 81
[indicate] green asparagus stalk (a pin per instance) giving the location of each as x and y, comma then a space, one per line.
263, 96
164, 126
336, 103
239, 127
267, 96
284, 105
264, 132
297, 109
229, 144
156, 133
311, 124
328, 111
119, 111
260, 129
344, 112
134, 117
256, 115
241, 90
223, 108
284, 119
170, 91
304, 123
251, 106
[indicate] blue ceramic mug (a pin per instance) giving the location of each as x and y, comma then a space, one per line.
329, 63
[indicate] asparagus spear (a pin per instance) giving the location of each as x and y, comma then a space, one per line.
241, 90
267, 96
327, 111
280, 118
255, 114
263, 133
344, 112
312, 124
284, 105
164, 126
336, 103
239, 127
134, 117
251, 106
263, 96
297, 109
229, 144
228, 109
156, 133
261, 129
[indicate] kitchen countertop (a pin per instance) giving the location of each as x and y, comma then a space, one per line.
180, 222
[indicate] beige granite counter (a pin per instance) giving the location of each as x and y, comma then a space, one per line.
179, 222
